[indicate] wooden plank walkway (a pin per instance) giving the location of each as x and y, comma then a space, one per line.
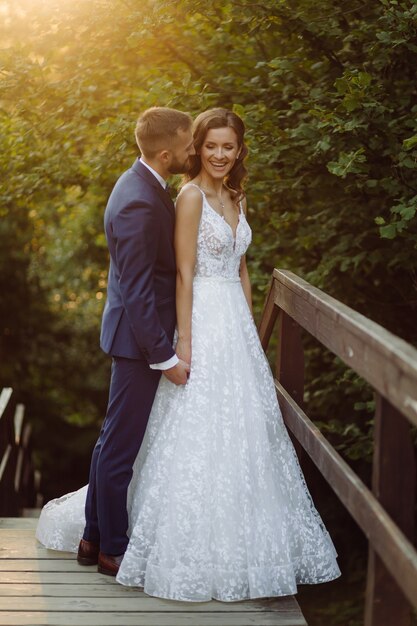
39, 586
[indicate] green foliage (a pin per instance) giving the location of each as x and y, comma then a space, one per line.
328, 97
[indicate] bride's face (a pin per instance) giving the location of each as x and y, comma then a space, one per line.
219, 151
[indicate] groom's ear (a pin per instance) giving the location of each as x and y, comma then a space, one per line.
164, 156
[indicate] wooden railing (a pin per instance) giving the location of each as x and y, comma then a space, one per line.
385, 514
19, 481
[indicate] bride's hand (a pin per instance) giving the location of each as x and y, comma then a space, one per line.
183, 350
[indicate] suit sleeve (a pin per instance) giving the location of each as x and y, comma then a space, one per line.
136, 233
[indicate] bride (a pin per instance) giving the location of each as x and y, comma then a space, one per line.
218, 506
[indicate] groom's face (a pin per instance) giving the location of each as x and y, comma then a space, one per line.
181, 152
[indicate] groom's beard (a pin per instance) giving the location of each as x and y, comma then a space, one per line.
178, 167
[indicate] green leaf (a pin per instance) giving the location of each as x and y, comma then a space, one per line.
409, 143
348, 163
389, 231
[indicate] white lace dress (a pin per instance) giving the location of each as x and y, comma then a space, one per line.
218, 506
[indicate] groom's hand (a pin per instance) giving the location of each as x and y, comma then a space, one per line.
179, 373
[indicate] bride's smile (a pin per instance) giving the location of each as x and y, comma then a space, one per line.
219, 151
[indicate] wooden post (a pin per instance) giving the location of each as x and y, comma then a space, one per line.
289, 370
393, 483
7, 454
269, 316
290, 357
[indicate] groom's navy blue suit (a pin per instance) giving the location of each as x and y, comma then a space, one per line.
137, 330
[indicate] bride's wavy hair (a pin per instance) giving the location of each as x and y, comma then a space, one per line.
220, 118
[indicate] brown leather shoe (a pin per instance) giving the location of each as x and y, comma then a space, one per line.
109, 564
88, 553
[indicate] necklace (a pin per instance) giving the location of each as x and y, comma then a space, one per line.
219, 199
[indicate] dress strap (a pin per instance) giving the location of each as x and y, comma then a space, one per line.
194, 185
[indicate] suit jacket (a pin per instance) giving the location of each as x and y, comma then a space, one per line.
139, 315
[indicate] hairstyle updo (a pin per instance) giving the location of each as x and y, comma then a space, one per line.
221, 118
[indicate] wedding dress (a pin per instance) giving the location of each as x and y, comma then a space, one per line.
218, 506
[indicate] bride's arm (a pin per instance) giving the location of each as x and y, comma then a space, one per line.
245, 280
244, 274
188, 214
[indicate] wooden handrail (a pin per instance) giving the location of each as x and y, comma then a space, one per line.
384, 360
386, 515
5, 395
395, 549
17, 473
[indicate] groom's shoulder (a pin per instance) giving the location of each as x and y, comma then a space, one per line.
130, 186
130, 178
126, 181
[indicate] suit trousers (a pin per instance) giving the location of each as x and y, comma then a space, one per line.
132, 391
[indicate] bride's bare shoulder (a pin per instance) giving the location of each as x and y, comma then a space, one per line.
190, 196
190, 190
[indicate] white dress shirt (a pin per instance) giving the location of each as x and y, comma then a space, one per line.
165, 365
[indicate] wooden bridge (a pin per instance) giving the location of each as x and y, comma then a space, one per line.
39, 586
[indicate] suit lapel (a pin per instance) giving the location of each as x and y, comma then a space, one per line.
163, 195
166, 198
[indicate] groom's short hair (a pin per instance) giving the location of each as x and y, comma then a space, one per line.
157, 128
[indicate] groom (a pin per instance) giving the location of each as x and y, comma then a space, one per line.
138, 324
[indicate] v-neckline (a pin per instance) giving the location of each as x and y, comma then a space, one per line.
222, 217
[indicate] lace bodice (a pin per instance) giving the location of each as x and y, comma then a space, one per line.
219, 250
